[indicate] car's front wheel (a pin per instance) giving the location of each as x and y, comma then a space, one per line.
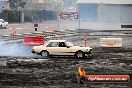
44, 53
79, 54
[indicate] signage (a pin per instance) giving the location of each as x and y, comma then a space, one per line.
34, 40
111, 42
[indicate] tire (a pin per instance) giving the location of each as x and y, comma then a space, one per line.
79, 54
44, 53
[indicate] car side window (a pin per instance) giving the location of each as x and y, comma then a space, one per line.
52, 44
62, 44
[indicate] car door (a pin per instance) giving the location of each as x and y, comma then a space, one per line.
58, 48
63, 49
52, 48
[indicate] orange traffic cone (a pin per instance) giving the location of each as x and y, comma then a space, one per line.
13, 33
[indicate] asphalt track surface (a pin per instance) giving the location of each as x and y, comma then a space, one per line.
58, 72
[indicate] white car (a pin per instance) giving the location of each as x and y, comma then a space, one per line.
61, 47
3, 24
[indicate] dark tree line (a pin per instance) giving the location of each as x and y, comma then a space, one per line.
10, 16
46, 15
15, 4
15, 15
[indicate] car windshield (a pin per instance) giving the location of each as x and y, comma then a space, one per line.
69, 44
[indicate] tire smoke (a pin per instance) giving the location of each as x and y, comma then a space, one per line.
13, 48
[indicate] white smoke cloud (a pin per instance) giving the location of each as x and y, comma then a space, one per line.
14, 49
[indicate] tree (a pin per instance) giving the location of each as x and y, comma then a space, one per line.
15, 4
21, 3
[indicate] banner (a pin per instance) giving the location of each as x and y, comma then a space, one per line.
111, 42
33, 40
108, 78
69, 15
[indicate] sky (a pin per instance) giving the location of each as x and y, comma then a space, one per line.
106, 1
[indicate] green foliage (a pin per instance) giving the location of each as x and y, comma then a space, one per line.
15, 4
14, 16
22, 4
10, 16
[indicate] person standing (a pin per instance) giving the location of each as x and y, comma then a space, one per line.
81, 75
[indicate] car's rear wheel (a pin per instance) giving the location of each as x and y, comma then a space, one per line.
44, 53
79, 54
